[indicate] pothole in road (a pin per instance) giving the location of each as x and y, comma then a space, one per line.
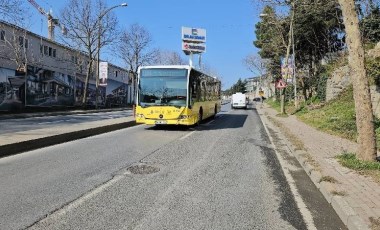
143, 169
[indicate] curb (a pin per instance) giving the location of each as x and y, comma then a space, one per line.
20, 147
57, 113
348, 216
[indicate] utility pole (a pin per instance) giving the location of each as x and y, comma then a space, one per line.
294, 62
98, 50
290, 40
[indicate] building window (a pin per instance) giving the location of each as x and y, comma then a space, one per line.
72, 59
2, 35
46, 50
41, 49
26, 43
116, 73
50, 51
54, 52
21, 41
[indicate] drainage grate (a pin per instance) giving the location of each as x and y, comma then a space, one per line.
143, 169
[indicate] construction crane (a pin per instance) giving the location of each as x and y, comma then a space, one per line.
52, 22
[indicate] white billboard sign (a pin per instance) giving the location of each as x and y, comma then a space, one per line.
103, 73
193, 47
193, 35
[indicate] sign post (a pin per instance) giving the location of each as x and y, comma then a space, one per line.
193, 42
103, 73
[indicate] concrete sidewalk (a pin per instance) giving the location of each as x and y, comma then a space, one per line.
4, 116
355, 198
17, 142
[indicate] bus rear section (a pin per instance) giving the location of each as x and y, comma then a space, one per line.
239, 101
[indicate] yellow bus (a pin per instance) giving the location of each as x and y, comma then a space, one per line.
176, 95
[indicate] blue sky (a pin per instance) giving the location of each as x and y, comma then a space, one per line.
229, 25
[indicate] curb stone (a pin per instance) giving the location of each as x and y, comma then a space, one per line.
326, 189
348, 216
343, 210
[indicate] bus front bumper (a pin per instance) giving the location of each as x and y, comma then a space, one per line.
165, 122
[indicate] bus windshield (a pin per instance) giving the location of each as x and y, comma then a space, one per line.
159, 87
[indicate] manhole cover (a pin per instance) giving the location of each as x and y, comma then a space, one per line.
143, 169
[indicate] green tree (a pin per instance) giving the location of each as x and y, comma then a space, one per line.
370, 25
271, 39
239, 86
318, 32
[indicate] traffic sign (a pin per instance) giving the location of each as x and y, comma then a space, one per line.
280, 84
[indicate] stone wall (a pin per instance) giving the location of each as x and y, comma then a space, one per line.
340, 79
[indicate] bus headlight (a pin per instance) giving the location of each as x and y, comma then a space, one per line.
184, 116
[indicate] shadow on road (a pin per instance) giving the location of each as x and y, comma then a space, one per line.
222, 121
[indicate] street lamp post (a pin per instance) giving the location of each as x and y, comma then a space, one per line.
98, 49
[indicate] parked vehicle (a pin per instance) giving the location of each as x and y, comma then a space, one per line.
239, 101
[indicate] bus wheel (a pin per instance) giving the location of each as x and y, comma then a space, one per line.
200, 115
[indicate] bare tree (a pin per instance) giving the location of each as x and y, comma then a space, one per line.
134, 49
11, 10
14, 47
169, 58
86, 22
362, 97
256, 64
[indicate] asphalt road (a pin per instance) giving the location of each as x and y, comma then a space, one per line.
223, 174
33, 123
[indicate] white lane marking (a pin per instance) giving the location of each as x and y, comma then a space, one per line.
50, 122
54, 122
187, 135
305, 212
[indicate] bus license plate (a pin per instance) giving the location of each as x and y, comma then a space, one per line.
161, 122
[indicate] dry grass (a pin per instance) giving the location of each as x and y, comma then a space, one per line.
329, 179
296, 142
375, 175
310, 160
375, 223
338, 193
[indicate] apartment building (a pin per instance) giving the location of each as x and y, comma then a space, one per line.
35, 71
256, 84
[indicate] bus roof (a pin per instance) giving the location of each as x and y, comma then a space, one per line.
166, 67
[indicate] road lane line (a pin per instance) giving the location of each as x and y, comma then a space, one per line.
50, 122
187, 135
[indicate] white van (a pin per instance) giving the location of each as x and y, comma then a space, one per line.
239, 100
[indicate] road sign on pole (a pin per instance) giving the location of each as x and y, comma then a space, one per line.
280, 84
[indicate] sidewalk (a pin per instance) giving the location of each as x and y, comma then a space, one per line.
355, 198
17, 142
4, 116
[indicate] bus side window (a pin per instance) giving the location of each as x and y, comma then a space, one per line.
193, 91
204, 90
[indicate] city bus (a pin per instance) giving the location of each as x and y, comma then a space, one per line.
176, 95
